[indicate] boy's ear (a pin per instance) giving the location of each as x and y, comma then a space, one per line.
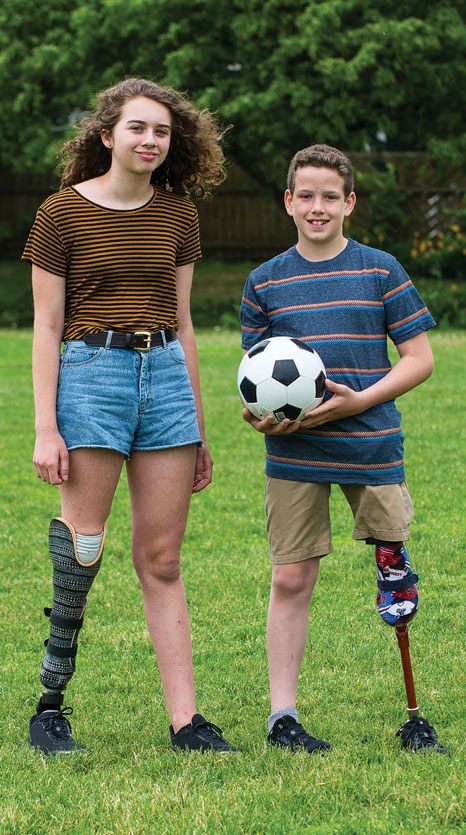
289, 202
350, 203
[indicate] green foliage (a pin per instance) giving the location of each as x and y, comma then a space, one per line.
443, 256
359, 76
351, 686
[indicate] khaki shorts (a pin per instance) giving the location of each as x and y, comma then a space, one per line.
298, 517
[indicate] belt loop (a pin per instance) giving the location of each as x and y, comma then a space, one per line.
164, 338
108, 340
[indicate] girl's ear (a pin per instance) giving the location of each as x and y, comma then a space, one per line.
106, 138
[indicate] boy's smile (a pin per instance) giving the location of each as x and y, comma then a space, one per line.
318, 207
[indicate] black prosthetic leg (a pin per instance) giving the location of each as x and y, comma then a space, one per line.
72, 579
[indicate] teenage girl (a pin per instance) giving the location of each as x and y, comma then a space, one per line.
112, 258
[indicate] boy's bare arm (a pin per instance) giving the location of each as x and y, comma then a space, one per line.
415, 365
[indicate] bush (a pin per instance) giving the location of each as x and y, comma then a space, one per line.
445, 300
442, 256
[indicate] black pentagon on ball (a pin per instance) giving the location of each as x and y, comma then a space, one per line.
285, 372
248, 390
287, 411
257, 349
320, 384
303, 345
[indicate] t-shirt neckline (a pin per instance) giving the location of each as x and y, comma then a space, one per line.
109, 208
318, 264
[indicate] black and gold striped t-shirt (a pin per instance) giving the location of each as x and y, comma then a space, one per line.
119, 265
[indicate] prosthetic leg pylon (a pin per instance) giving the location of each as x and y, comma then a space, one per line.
397, 603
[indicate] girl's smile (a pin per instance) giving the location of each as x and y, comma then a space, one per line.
140, 140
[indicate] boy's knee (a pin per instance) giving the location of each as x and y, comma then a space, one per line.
295, 579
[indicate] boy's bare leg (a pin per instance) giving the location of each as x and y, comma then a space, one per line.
287, 627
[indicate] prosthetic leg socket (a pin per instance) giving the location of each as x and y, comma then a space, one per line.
72, 579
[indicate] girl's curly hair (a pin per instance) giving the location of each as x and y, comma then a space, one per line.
195, 161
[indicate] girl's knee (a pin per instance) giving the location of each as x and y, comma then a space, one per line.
155, 564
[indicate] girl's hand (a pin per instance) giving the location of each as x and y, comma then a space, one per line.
267, 425
203, 471
344, 402
50, 458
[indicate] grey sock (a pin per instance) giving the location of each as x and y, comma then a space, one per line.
289, 711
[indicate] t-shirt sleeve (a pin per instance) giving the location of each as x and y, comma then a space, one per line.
405, 312
255, 324
191, 249
44, 246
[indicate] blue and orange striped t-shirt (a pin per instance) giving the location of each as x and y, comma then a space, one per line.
119, 265
344, 308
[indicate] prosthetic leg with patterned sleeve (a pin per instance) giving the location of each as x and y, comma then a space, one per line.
397, 603
74, 570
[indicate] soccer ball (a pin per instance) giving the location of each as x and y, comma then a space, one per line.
281, 376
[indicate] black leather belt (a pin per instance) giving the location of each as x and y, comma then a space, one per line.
138, 341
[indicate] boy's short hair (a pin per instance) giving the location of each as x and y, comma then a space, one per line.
322, 156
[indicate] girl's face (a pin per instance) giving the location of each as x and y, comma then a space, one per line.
141, 138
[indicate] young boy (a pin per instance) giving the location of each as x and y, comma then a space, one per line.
342, 298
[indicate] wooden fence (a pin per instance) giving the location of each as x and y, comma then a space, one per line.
241, 223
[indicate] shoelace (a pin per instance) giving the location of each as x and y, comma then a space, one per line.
296, 732
59, 725
210, 731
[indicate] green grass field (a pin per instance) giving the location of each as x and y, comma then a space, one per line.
351, 686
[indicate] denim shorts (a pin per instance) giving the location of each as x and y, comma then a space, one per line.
126, 400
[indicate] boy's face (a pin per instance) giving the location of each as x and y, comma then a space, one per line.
318, 207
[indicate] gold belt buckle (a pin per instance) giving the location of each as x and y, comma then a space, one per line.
147, 336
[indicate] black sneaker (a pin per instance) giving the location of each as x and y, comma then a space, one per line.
418, 735
288, 733
51, 732
200, 735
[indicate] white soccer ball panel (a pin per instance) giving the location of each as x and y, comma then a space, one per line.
272, 393
303, 390
255, 368
281, 348
309, 364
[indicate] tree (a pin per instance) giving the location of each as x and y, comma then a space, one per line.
383, 75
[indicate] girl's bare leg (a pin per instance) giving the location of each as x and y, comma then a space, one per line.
160, 484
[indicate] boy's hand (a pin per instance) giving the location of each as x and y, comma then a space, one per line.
268, 427
343, 403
